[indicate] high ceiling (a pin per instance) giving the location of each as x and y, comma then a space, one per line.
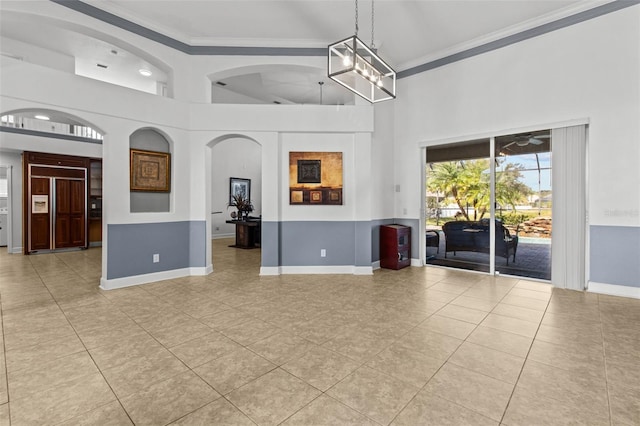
407, 32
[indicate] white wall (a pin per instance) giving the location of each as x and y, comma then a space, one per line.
14, 159
589, 70
233, 157
37, 55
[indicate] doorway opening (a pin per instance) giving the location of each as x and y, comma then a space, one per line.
489, 203
235, 168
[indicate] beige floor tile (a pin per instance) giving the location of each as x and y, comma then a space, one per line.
410, 366
494, 294
531, 294
131, 347
138, 373
474, 303
358, 346
5, 419
320, 330
220, 413
462, 313
449, 288
111, 414
431, 343
4, 389
623, 369
203, 349
570, 336
273, 397
552, 382
250, 332
490, 362
168, 400
625, 405
512, 325
588, 360
525, 302
480, 393
50, 374
34, 356
448, 326
519, 312
499, 340
321, 368
281, 347
70, 400
326, 411
233, 370
180, 333
114, 334
532, 409
34, 337
427, 409
376, 395
439, 296
535, 286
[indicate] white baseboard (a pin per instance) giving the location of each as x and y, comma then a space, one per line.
375, 265
307, 270
16, 250
112, 284
222, 236
416, 262
614, 290
269, 270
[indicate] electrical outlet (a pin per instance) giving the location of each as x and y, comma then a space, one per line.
156, 258
323, 253
404, 211
217, 228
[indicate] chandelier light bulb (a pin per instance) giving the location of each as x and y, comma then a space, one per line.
346, 61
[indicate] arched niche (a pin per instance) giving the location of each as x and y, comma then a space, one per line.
149, 139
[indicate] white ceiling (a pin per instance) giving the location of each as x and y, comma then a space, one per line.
407, 33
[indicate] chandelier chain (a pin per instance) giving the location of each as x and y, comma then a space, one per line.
356, 18
373, 44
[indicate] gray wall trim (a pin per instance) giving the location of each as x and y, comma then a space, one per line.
38, 133
521, 36
270, 243
137, 29
614, 254
132, 246
127, 25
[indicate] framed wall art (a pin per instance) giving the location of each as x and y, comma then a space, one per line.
315, 178
150, 171
239, 186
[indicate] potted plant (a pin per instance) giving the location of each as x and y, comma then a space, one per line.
243, 204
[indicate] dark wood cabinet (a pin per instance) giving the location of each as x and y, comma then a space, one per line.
395, 246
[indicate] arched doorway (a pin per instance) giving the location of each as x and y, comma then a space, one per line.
232, 158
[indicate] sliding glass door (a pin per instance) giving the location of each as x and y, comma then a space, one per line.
464, 180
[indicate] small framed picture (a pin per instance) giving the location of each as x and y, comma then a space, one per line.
150, 171
309, 171
239, 186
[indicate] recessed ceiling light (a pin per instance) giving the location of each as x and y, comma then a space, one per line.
42, 117
145, 72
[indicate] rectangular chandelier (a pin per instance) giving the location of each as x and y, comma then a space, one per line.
355, 66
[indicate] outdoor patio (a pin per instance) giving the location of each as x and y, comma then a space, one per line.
533, 259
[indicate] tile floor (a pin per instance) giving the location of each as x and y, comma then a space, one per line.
419, 346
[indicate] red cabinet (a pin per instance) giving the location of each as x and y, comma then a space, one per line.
395, 246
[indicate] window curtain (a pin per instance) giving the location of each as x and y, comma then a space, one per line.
568, 240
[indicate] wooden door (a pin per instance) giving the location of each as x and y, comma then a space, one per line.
40, 219
70, 213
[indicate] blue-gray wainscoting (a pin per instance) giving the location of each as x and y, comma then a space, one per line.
615, 255
131, 247
298, 243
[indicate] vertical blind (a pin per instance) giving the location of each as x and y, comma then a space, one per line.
568, 241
